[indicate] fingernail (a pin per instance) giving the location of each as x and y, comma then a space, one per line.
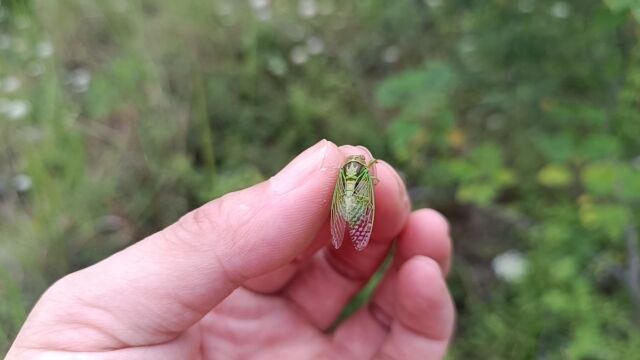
296, 172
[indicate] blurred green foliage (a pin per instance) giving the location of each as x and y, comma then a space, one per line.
518, 119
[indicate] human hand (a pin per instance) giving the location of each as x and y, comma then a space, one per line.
251, 275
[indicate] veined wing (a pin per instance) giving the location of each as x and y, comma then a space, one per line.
360, 230
338, 218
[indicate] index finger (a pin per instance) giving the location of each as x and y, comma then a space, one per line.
157, 288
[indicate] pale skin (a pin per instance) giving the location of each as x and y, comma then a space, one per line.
252, 275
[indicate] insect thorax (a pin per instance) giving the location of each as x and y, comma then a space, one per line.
353, 167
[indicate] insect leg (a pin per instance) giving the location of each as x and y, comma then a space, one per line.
374, 173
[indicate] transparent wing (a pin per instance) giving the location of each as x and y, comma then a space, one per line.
338, 218
360, 230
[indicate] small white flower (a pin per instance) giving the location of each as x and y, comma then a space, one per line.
11, 84
315, 45
14, 109
391, 54
22, 182
260, 4
510, 266
307, 8
277, 66
299, 55
434, 3
79, 79
560, 9
44, 49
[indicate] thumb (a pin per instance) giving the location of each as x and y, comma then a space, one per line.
167, 282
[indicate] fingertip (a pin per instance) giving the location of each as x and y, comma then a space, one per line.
426, 233
356, 150
436, 219
366, 150
416, 272
320, 161
423, 301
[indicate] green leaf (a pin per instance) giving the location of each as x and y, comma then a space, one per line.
599, 178
599, 146
555, 176
402, 133
630, 184
429, 87
557, 301
556, 147
622, 5
478, 193
487, 157
625, 5
612, 179
611, 219
505, 177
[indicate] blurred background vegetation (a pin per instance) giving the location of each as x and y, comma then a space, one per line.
517, 119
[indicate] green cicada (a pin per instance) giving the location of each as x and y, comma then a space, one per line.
353, 206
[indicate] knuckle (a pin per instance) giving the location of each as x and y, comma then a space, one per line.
220, 227
203, 219
60, 290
